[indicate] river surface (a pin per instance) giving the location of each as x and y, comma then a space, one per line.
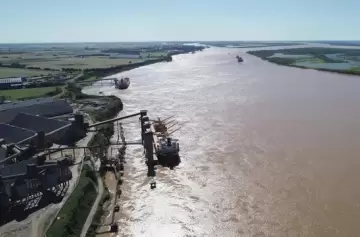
266, 150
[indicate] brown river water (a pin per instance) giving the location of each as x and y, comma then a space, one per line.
266, 150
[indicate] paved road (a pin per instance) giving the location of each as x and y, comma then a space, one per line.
94, 207
75, 78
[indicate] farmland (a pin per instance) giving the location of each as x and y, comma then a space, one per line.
76, 57
82, 63
47, 65
59, 61
20, 72
29, 93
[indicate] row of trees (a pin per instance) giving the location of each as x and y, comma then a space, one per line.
23, 66
110, 70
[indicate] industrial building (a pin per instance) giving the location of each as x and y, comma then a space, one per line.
13, 134
11, 83
26, 129
45, 107
19, 181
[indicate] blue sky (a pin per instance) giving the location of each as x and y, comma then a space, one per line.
163, 20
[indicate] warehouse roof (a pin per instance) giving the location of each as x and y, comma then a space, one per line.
43, 107
17, 168
25, 103
13, 134
37, 123
11, 80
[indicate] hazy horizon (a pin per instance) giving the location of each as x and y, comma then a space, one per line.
182, 41
159, 20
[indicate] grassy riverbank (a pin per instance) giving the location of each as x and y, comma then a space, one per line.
31, 93
73, 215
101, 108
345, 61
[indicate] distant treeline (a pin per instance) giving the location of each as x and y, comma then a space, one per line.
162, 48
123, 51
315, 51
13, 65
45, 69
23, 66
92, 55
100, 72
184, 48
71, 70
340, 43
319, 53
250, 44
44, 84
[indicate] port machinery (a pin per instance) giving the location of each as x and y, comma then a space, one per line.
160, 148
32, 175
153, 135
119, 83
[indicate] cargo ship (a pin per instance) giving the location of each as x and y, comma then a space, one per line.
122, 84
239, 59
168, 152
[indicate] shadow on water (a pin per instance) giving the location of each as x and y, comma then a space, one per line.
23, 208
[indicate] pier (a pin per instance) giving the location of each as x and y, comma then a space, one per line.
115, 163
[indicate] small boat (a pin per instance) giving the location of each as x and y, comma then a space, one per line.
239, 59
122, 84
168, 152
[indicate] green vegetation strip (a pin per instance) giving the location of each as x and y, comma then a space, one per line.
99, 213
30, 93
72, 216
319, 56
355, 69
20, 72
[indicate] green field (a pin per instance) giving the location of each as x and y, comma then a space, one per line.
355, 69
28, 93
310, 60
59, 60
325, 59
19, 72
82, 63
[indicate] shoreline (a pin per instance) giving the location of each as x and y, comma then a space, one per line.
284, 62
73, 92
105, 207
346, 73
101, 73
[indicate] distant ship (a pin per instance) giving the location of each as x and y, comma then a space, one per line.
239, 59
122, 84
